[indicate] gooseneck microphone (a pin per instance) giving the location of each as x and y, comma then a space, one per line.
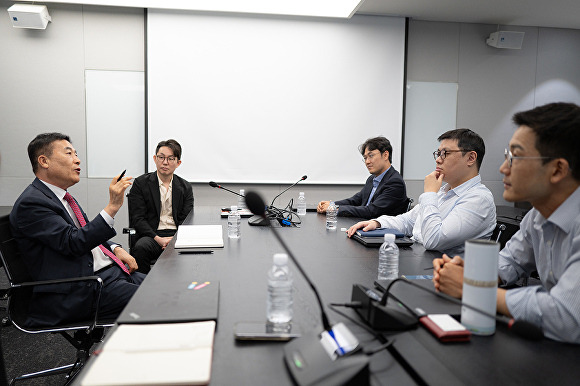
214, 185
306, 358
522, 328
291, 186
283, 216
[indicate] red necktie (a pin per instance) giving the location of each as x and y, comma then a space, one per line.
73, 204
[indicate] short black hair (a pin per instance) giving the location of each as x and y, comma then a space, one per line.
557, 129
42, 145
467, 140
377, 143
173, 145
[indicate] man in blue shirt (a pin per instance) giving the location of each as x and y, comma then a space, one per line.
384, 191
542, 166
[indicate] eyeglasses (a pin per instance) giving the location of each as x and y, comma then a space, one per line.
170, 159
443, 153
370, 156
509, 157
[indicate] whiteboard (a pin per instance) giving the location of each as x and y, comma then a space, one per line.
431, 110
258, 99
115, 104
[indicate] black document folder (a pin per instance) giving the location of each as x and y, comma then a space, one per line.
173, 301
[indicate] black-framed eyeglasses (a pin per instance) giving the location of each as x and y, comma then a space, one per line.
370, 156
169, 159
443, 153
509, 157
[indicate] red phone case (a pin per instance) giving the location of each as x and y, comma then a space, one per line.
463, 335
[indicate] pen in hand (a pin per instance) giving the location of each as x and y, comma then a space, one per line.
122, 175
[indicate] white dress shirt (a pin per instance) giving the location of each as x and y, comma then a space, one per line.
552, 247
444, 220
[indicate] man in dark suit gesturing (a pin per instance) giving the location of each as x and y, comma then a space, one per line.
158, 203
58, 241
384, 191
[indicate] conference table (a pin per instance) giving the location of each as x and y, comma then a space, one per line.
334, 263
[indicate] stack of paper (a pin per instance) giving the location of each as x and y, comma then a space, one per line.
199, 236
154, 354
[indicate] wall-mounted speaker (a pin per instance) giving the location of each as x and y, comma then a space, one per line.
29, 16
506, 39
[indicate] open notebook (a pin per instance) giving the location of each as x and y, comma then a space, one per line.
154, 354
199, 236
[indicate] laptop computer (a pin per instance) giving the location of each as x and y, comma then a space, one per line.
376, 242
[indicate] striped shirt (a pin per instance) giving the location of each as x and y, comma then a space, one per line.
552, 247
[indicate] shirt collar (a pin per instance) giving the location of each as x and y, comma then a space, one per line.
58, 192
379, 178
464, 187
161, 182
565, 215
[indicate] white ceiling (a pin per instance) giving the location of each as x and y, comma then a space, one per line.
536, 13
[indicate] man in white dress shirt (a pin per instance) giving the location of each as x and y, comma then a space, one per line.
455, 205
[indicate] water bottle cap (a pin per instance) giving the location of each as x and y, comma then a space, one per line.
389, 237
280, 259
234, 208
301, 194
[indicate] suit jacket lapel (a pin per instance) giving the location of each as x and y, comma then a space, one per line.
176, 199
383, 181
54, 199
154, 189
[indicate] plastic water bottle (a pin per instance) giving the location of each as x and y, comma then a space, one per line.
279, 304
234, 220
388, 259
331, 213
242, 200
301, 208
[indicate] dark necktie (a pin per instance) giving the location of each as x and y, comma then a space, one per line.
73, 204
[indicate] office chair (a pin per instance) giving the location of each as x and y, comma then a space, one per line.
504, 230
130, 231
409, 203
82, 335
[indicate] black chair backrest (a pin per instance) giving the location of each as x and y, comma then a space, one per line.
10, 254
409, 203
16, 271
504, 230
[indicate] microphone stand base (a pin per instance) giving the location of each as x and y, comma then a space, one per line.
309, 364
383, 318
259, 221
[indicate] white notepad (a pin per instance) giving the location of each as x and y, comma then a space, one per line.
154, 354
199, 236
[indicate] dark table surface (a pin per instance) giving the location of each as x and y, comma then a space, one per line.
334, 263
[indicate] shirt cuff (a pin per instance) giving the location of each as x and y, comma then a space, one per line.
108, 219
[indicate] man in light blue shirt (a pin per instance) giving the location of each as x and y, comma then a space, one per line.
455, 205
542, 166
